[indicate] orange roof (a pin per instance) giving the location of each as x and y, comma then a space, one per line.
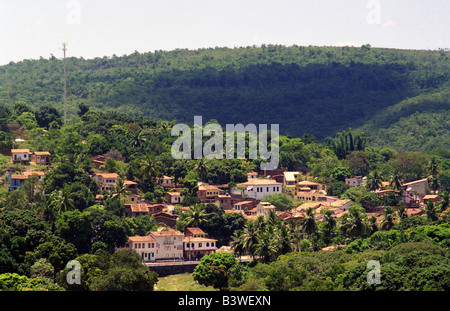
146, 238
306, 182
260, 181
41, 153
243, 202
208, 187
19, 177
173, 194
164, 177
107, 175
195, 230
415, 182
29, 173
431, 196
168, 232
138, 207
19, 150
198, 239
129, 182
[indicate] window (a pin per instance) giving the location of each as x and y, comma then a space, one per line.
212, 244
207, 244
199, 244
267, 189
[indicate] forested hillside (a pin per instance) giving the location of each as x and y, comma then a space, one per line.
399, 98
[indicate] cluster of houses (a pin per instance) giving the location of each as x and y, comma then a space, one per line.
246, 198
25, 157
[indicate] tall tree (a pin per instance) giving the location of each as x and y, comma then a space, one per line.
309, 224
374, 181
195, 216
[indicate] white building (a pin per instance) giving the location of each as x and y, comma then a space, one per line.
354, 181
263, 208
158, 245
107, 180
22, 156
259, 188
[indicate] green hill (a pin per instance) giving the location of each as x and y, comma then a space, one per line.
315, 90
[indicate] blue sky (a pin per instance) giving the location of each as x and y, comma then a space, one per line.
30, 29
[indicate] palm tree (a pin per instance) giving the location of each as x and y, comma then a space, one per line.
62, 201
284, 240
374, 181
352, 223
296, 233
401, 213
250, 238
433, 167
396, 181
388, 219
329, 224
47, 211
433, 170
444, 201
372, 225
309, 225
266, 247
195, 216
150, 167
201, 167
431, 211
237, 242
120, 189
271, 218
137, 138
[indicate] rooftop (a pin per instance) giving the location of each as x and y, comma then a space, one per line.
415, 182
42, 153
308, 183
208, 187
107, 175
145, 238
260, 181
20, 150
290, 176
167, 232
195, 230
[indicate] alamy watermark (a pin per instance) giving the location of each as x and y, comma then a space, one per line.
74, 275
213, 148
374, 275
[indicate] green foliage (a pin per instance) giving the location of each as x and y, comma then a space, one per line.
213, 270
318, 85
280, 200
16, 282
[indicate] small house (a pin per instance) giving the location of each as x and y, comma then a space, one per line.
21, 156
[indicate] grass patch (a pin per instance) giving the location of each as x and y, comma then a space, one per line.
180, 282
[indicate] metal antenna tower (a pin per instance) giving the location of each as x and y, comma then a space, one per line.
65, 82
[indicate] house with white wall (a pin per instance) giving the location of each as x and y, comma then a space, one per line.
21, 156
259, 188
165, 244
